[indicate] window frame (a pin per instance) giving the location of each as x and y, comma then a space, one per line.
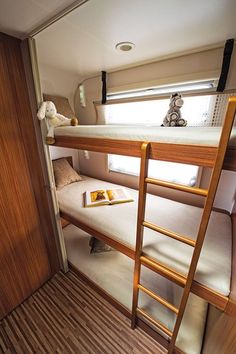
132, 175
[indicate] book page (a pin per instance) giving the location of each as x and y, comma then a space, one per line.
118, 195
98, 197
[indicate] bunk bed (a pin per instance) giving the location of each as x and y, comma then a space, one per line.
199, 146
192, 145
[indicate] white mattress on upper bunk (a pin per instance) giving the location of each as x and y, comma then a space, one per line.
119, 223
185, 135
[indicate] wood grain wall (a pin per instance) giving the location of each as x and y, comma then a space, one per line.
24, 254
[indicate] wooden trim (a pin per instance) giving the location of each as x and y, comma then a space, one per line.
158, 298
180, 153
64, 223
139, 229
211, 296
178, 187
169, 233
155, 323
189, 154
111, 242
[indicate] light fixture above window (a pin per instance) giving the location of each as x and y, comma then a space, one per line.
125, 46
200, 86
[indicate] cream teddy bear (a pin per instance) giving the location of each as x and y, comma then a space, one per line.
173, 117
48, 111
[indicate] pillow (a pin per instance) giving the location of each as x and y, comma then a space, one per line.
64, 174
62, 105
98, 246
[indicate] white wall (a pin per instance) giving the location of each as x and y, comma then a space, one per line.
61, 83
58, 82
57, 152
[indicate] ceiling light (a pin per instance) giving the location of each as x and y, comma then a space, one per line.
125, 46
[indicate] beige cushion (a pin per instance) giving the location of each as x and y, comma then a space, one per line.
64, 174
62, 105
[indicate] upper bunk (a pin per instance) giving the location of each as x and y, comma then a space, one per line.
190, 145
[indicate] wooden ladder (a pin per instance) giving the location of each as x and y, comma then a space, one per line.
140, 258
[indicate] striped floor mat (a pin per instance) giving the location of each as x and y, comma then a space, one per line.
67, 316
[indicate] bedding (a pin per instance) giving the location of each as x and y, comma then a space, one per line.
185, 135
214, 267
113, 272
64, 173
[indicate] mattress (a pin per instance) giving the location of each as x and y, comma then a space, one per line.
113, 272
119, 223
185, 135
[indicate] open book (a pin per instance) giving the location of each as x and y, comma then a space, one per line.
109, 196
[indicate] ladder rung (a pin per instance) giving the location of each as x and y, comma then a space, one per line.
168, 273
180, 187
169, 233
158, 298
154, 322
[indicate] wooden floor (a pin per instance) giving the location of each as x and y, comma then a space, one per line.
66, 316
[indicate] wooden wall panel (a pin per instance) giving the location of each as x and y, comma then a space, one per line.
24, 261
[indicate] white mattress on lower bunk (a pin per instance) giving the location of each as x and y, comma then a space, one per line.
113, 272
119, 223
184, 135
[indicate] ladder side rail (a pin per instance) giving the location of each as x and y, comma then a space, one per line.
215, 176
145, 149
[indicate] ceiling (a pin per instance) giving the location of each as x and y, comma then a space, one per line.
84, 41
19, 17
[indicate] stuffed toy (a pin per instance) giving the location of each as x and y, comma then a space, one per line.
48, 111
173, 117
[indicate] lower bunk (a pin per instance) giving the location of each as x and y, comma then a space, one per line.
116, 225
112, 273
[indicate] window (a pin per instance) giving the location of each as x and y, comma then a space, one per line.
201, 110
167, 171
196, 110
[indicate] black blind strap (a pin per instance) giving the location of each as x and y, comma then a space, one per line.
229, 46
104, 87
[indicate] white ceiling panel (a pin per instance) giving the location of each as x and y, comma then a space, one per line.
19, 17
84, 41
